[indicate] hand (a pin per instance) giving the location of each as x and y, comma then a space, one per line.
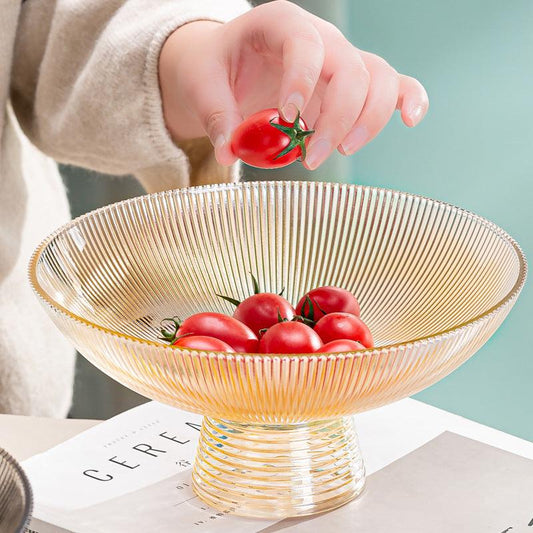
278, 55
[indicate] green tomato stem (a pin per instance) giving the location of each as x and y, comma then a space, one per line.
296, 135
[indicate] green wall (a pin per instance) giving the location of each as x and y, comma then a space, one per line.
474, 149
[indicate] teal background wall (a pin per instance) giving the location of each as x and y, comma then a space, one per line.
474, 149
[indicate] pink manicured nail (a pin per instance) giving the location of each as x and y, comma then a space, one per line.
220, 141
223, 151
317, 153
415, 114
290, 108
355, 140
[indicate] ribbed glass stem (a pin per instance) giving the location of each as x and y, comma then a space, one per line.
278, 470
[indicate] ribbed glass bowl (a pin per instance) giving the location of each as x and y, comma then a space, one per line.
15, 495
434, 282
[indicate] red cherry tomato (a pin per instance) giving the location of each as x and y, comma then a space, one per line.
328, 300
335, 326
265, 140
289, 338
341, 345
203, 342
260, 311
226, 328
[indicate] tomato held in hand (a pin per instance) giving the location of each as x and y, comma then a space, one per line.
341, 345
226, 328
265, 140
328, 300
263, 310
335, 326
289, 338
203, 342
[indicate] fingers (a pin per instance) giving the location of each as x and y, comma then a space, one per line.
303, 56
413, 101
341, 105
380, 104
361, 89
217, 111
285, 31
195, 88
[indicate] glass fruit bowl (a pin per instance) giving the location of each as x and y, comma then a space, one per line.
434, 282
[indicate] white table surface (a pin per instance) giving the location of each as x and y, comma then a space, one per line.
24, 436
385, 434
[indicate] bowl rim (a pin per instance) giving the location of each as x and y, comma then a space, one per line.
28, 493
478, 319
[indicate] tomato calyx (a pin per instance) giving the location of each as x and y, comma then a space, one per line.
236, 302
308, 318
178, 337
304, 320
229, 299
281, 319
170, 336
257, 290
296, 135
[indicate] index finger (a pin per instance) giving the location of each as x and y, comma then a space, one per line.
303, 58
287, 31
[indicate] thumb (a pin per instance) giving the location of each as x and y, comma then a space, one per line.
218, 113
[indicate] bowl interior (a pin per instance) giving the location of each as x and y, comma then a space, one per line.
418, 267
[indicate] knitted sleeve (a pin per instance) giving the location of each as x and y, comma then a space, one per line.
85, 86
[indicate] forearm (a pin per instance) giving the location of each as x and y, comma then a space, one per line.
85, 78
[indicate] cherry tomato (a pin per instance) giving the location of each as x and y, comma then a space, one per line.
260, 311
226, 328
335, 326
341, 345
203, 342
288, 338
265, 140
328, 300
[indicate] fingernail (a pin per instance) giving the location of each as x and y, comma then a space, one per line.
415, 114
220, 141
355, 140
223, 152
317, 153
292, 105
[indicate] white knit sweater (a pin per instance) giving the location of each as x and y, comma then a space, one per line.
82, 80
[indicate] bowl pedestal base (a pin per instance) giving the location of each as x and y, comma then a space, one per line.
278, 471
